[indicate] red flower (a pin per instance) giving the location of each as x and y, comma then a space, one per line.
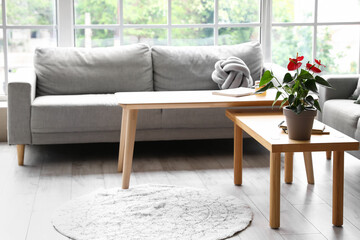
312, 67
319, 63
295, 63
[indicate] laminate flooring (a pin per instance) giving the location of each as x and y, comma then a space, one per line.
54, 174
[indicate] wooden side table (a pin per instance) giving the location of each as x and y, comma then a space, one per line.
131, 102
263, 127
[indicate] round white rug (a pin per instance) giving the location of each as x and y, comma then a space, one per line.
152, 212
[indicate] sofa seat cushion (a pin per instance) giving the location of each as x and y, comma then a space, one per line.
84, 113
195, 118
63, 71
190, 68
342, 114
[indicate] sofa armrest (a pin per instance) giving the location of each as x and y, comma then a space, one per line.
343, 87
21, 93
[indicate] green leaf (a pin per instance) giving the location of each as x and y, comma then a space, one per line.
296, 86
311, 85
322, 82
291, 99
317, 105
283, 102
287, 78
309, 99
299, 109
293, 108
278, 94
263, 89
266, 78
305, 75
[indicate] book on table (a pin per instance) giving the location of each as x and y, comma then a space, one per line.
235, 92
318, 128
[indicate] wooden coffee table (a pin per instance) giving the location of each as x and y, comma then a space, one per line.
263, 127
131, 102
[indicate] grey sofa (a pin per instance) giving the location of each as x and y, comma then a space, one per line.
69, 95
338, 111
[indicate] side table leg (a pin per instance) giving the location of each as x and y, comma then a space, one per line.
288, 176
122, 139
238, 154
129, 146
328, 155
309, 167
338, 188
275, 190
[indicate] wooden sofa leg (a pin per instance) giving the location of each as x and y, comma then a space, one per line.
328, 155
20, 153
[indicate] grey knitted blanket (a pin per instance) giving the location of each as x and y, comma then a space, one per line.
232, 73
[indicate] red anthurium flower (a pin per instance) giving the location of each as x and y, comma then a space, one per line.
295, 63
299, 58
319, 63
312, 67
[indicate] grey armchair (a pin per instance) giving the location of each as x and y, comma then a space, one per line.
338, 111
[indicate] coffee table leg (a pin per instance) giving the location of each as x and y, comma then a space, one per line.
122, 139
238, 154
338, 188
131, 118
309, 167
275, 190
288, 176
328, 155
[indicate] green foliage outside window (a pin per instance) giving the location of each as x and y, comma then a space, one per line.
30, 12
286, 40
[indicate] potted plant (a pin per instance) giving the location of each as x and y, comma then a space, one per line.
300, 92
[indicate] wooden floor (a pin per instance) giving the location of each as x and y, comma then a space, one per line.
54, 174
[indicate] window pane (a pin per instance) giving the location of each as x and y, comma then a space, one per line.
192, 11
287, 41
96, 37
239, 11
192, 36
0, 14
293, 10
22, 44
149, 36
30, 12
228, 36
2, 72
96, 12
145, 12
339, 11
338, 48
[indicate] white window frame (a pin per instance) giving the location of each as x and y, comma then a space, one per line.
5, 27
65, 27
315, 24
169, 26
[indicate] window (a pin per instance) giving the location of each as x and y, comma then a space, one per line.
163, 22
322, 29
325, 29
25, 25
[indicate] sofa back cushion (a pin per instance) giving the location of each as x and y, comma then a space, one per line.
62, 71
190, 68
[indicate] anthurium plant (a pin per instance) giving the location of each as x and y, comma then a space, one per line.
297, 89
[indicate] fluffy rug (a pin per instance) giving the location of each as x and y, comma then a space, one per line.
152, 212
